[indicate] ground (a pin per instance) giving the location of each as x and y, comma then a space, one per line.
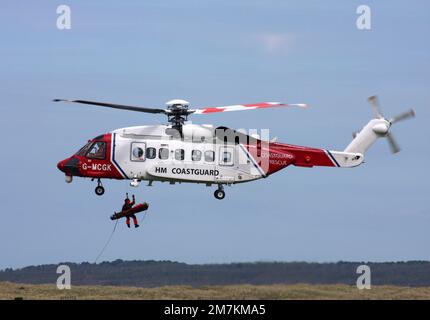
300, 291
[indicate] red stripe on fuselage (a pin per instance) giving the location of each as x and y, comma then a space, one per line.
272, 157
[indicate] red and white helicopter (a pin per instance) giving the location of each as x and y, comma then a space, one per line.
184, 152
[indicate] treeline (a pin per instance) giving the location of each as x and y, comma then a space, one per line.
160, 273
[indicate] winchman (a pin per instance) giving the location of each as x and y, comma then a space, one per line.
126, 206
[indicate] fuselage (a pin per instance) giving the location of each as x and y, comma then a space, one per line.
199, 154
151, 153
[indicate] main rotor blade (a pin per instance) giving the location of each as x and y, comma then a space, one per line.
373, 100
393, 144
115, 106
403, 116
246, 107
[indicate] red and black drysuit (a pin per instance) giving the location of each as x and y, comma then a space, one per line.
128, 205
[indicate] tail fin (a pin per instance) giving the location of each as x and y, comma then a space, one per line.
375, 128
379, 127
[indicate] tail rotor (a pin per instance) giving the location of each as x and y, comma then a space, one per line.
378, 127
383, 128
403, 116
374, 102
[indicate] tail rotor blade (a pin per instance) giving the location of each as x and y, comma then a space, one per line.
373, 100
403, 116
393, 144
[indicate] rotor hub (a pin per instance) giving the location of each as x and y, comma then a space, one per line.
177, 112
176, 102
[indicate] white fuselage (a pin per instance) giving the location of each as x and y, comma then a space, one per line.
148, 153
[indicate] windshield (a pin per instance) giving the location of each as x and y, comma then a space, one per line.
82, 151
97, 150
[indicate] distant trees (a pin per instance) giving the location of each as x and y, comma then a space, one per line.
159, 273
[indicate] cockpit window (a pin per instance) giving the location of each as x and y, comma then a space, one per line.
82, 151
97, 150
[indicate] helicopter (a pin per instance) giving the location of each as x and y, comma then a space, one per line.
183, 152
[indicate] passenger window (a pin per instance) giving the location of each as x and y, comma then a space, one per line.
180, 154
196, 155
209, 156
97, 151
226, 157
163, 153
138, 151
151, 153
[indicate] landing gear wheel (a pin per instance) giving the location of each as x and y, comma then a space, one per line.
219, 194
99, 190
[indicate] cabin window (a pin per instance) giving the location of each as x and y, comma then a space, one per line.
196, 155
97, 150
209, 156
180, 154
137, 151
163, 153
226, 157
151, 153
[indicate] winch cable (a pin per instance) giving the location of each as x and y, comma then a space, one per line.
114, 228
143, 218
107, 243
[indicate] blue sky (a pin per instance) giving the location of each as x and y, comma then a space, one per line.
216, 53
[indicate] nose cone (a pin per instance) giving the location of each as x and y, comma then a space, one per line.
60, 165
69, 166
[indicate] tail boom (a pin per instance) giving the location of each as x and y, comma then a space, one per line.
277, 156
311, 157
375, 128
